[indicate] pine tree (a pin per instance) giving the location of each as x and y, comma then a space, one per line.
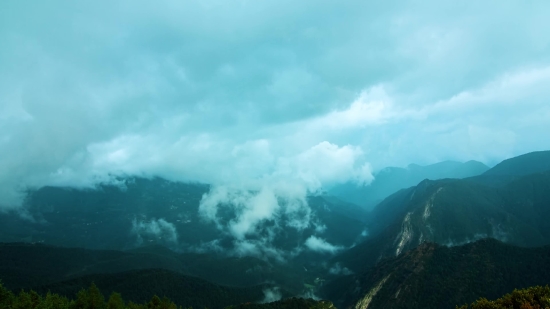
115, 301
95, 298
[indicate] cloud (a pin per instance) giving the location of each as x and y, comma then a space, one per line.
251, 93
314, 243
271, 295
325, 164
263, 206
337, 269
157, 230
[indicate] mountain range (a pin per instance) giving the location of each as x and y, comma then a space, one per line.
440, 220
391, 179
458, 211
436, 276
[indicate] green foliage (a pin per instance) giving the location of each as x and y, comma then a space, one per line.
89, 299
6, 297
25, 301
54, 301
92, 298
115, 301
530, 298
164, 303
140, 285
433, 276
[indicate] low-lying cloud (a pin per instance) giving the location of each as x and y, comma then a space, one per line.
338, 269
261, 207
271, 295
155, 230
317, 244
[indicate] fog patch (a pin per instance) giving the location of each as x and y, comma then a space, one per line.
242, 213
314, 243
155, 230
361, 237
253, 211
320, 227
210, 246
24, 214
310, 294
337, 269
498, 232
121, 182
476, 237
271, 295
262, 249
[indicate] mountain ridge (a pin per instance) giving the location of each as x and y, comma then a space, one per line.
457, 211
391, 179
436, 276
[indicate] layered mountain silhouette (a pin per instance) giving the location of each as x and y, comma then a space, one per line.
441, 239
530, 163
157, 211
23, 266
139, 286
458, 211
391, 179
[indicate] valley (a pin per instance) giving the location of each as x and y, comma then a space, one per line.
439, 243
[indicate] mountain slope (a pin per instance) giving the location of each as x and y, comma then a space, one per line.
529, 163
157, 211
456, 211
514, 168
434, 276
27, 265
391, 179
139, 286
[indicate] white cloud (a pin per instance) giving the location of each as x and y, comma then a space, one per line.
271, 295
159, 229
320, 245
278, 200
372, 107
337, 269
226, 93
256, 209
325, 164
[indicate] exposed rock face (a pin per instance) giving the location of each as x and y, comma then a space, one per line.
365, 301
436, 276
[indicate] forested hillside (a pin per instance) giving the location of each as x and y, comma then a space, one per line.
511, 208
391, 179
435, 276
536, 297
93, 298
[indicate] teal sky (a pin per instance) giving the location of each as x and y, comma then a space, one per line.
256, 94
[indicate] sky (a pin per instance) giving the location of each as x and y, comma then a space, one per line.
282, 97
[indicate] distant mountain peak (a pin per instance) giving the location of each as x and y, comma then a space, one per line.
391, 179
529, 163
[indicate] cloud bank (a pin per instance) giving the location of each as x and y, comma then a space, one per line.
261, 98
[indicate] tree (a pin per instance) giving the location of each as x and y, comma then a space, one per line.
54, 301
115, 301
531, 298
89, 299
6, 297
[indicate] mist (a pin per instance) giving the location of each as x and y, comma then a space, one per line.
248, 152
274, 98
